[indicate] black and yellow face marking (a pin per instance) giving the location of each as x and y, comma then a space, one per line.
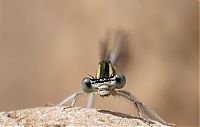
105, 70
106, 80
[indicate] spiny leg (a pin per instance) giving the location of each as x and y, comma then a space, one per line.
69, 99
130, 97
143, 111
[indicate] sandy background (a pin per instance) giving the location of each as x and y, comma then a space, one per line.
47, 47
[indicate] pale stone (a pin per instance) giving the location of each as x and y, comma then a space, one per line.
76, 116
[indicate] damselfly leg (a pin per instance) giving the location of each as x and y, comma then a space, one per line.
108, 81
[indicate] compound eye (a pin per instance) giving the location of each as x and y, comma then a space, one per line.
86, 85
120, 80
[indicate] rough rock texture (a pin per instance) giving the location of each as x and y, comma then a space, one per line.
76, 116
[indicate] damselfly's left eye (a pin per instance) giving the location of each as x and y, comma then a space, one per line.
120, 80
86, 85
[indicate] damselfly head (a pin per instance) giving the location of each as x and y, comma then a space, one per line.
103, 86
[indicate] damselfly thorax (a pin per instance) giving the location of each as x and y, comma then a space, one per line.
106, 80
109, 82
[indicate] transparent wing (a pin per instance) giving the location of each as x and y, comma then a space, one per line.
119, 52
113, 47
103, 48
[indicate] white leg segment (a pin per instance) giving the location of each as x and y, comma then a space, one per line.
143, 111
90, 100
71, 99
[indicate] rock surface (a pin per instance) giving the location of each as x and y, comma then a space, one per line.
76, 116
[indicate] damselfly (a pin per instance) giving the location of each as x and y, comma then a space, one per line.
109, 82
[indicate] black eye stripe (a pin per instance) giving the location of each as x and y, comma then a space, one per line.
102, 80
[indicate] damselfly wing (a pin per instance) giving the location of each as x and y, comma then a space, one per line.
108, 81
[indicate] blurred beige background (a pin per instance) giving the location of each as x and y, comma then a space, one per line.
48, 46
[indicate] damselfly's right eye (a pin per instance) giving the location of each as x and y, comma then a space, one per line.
86, 85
